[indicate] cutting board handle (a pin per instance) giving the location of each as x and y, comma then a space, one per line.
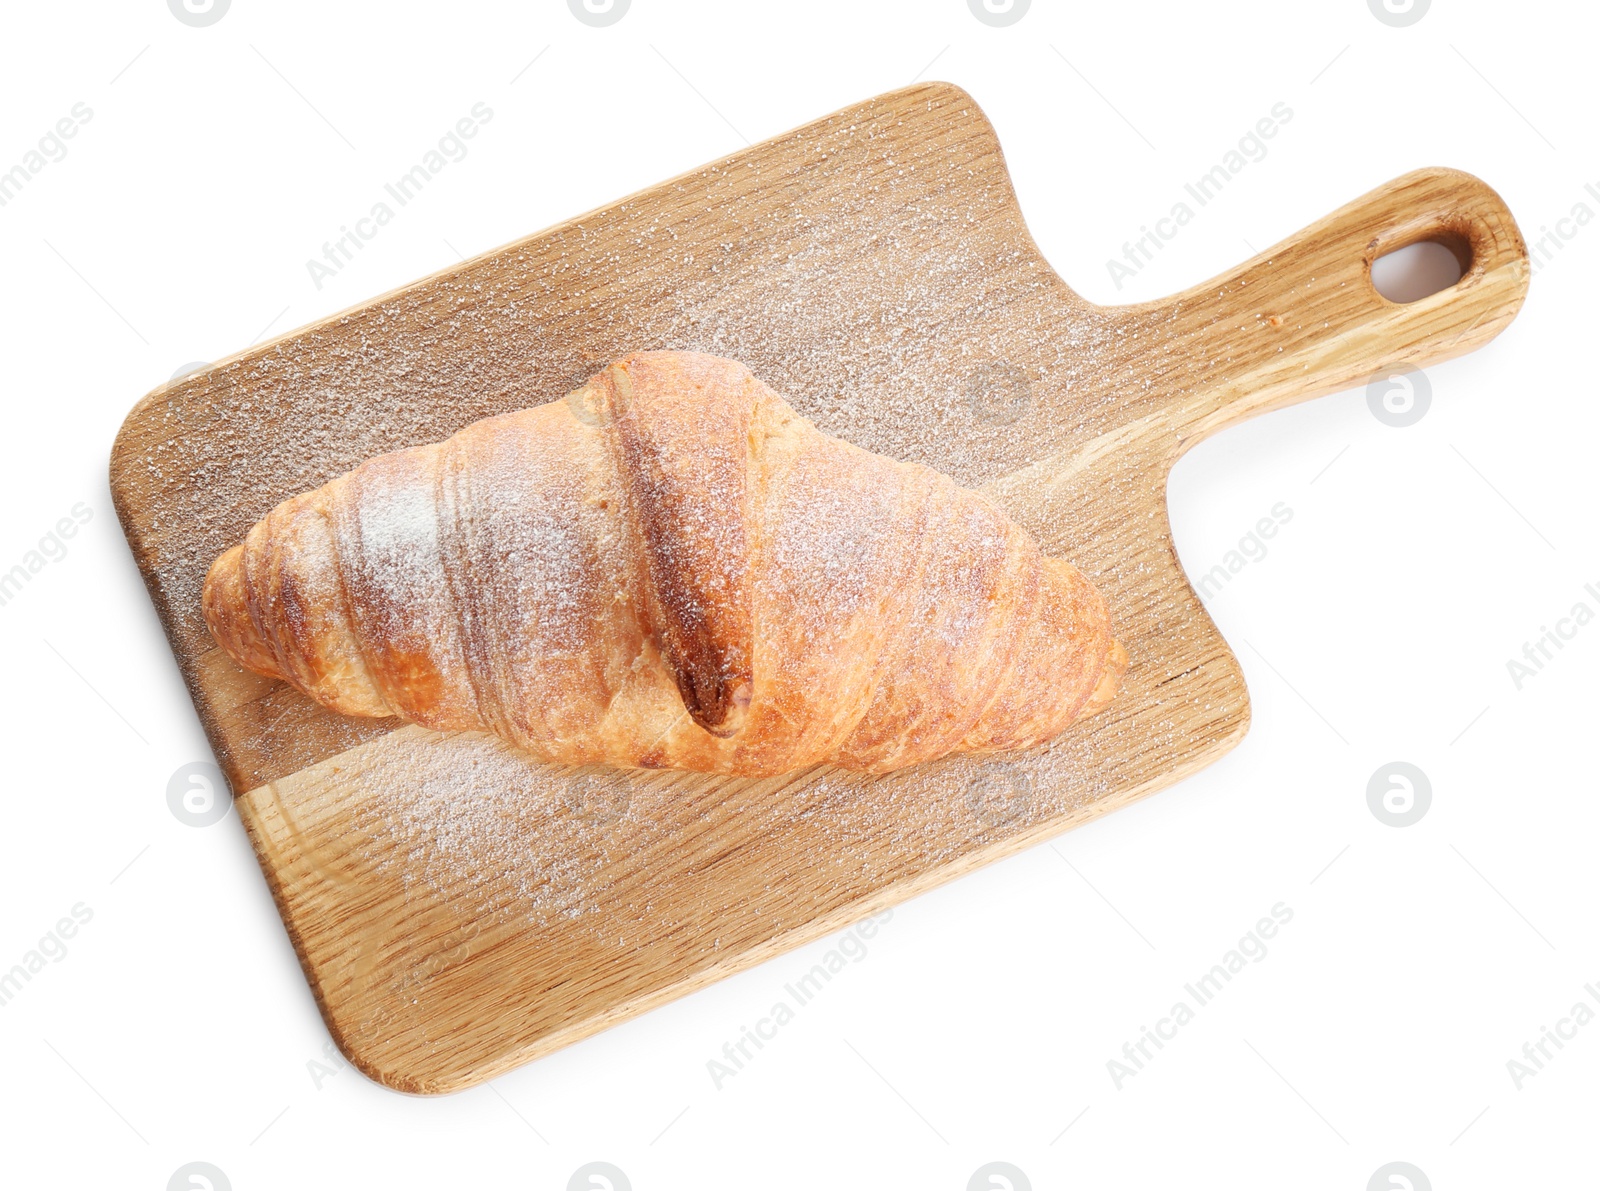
1306, 318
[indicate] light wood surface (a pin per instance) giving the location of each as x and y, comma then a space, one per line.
459, 912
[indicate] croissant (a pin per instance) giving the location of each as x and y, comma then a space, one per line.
669, 568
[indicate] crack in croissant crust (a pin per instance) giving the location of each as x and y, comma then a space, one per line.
669, 567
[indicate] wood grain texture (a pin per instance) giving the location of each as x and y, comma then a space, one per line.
459, 911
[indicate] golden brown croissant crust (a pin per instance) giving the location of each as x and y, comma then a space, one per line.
669, 567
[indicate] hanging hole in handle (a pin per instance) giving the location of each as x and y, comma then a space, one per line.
1423, 267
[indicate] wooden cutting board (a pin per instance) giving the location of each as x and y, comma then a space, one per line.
459, 910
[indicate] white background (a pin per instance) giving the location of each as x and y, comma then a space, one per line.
1419, 960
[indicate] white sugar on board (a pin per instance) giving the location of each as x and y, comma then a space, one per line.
877, 336
466, 816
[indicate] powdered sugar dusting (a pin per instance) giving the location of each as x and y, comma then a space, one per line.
874, 272
474, 816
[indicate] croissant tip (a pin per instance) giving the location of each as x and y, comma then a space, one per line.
226, 609
1115, 666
